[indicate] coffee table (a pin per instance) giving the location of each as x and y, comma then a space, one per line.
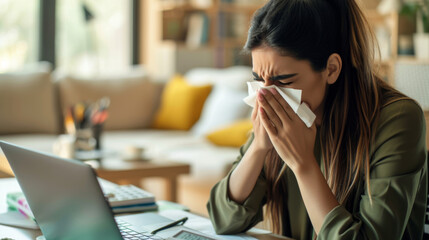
121, 172
132, 172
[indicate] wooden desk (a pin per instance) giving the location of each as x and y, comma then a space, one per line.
132, 172
10, 185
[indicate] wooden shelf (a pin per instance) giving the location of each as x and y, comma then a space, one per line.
236, 7
182, 44
182, 6
232, 42
227, 27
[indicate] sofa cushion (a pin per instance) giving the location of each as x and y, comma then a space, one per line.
233, 77
27, 103
133, 99
181, 104
233, 135
224, 106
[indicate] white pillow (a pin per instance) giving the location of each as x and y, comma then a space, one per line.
223, 106
232, 77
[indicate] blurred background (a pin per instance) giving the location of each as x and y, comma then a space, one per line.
172, 36
131, 41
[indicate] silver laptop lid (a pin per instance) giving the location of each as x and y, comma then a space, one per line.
63, 194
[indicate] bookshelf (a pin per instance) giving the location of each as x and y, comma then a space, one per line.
216, 28
220, 30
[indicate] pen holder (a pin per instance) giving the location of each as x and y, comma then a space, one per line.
64, 146
97, 130
85, 140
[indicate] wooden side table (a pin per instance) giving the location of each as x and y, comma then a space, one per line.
132, 172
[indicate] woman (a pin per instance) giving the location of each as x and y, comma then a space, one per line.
360, 171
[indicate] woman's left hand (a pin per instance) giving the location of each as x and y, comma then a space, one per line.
291, 138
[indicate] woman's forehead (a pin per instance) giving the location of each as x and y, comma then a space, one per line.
271, 61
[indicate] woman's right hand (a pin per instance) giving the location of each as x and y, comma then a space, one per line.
261, 140
245, 175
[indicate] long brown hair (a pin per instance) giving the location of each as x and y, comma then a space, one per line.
313, 30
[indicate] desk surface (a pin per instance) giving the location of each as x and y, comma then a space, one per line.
10, 185
131, 172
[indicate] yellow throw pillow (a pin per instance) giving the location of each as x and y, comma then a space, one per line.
233, 135
181, 104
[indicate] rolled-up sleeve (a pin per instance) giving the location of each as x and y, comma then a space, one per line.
398, 182
230, 217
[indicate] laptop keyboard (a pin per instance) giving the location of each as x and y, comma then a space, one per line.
128, 233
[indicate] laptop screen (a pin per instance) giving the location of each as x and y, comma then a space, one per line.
64, 195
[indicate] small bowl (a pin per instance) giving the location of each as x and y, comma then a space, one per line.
134, 153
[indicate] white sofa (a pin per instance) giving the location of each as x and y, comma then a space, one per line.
35, 120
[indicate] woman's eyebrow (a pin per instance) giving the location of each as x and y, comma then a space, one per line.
278, 77
255, 75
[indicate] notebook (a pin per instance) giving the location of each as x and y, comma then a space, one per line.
68, 203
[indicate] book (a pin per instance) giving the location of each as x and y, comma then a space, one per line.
135, 208
16, 202
197, 34
127, 198
173, 26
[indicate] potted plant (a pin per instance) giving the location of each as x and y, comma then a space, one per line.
420, 9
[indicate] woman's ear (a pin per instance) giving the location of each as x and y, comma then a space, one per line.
333, 68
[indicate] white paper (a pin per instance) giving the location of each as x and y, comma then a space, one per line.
201, 224
292, 97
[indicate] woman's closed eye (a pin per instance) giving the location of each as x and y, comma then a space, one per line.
283, 80
284, 83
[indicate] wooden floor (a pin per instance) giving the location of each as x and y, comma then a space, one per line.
4, 175
190, 193
195, 196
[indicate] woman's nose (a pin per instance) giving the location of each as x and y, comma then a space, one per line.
268, 83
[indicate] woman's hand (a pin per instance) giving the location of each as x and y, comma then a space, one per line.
244, 177
261, 140
291, 138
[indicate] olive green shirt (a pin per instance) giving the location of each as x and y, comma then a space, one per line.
398, 182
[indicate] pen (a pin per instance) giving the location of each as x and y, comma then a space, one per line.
178, 222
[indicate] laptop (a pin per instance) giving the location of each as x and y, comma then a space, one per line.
68, 203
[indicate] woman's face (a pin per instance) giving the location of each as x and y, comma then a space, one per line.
271, 68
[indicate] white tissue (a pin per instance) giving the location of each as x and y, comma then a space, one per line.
292, 97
